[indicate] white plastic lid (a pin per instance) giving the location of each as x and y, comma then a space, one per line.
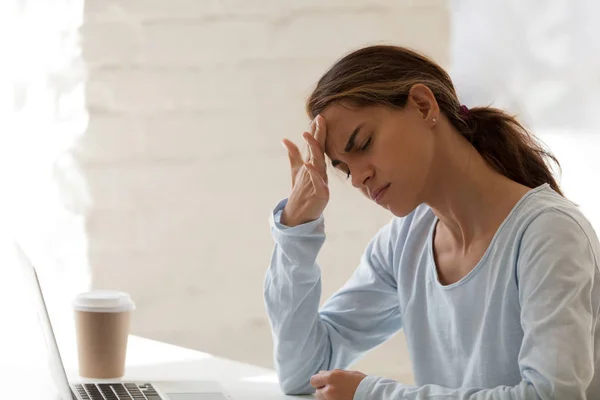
103, 301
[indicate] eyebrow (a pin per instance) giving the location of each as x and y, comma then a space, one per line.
349, 144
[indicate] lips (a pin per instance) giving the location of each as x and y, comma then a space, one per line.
378, 193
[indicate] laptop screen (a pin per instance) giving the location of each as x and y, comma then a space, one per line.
56, 365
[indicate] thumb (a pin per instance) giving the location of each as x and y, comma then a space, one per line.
294, 156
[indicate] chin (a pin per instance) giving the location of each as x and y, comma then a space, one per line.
400, 210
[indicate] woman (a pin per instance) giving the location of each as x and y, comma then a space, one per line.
491, 273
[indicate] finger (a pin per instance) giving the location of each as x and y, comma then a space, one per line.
320, 394
309, 154
318, 157
319, 184
320, 131
293, 153
313, 126
319, 380
313, 129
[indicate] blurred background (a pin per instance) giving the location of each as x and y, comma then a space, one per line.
140, 143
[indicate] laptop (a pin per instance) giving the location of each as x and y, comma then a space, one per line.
105, 390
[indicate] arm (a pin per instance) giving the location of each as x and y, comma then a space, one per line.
555, 273
361, 315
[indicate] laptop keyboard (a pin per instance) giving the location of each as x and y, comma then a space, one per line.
117, 391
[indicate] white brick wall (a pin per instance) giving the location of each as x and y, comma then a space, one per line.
188, 102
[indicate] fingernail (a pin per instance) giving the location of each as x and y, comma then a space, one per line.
283, 144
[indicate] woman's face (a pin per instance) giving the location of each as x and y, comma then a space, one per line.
386, 152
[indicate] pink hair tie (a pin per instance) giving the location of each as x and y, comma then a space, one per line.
464, 110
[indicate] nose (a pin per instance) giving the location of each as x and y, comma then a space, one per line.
360, 175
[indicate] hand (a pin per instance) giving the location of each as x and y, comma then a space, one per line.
310, 192
336, 384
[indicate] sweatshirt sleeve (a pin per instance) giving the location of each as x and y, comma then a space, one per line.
361, 315
559, 309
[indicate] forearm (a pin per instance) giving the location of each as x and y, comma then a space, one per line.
375, 388
292, 294
301, 341
361, 315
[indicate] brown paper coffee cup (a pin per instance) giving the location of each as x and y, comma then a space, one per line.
102, 323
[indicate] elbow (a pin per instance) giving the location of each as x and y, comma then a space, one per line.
555, 389
292, 386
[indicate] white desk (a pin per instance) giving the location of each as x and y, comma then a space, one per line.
28, 378
25, 375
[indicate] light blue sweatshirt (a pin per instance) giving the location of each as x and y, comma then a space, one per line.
523, 324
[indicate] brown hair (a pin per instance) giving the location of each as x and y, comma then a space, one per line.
383, 75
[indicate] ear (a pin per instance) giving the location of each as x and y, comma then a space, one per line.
422, 99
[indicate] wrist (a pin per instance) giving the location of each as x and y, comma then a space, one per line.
288, 220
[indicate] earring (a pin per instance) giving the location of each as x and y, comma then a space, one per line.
434, 120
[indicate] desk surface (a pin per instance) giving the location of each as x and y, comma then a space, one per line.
27, 377
24, 372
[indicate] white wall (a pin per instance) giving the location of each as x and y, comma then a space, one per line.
188, 101
535, 60
531, 58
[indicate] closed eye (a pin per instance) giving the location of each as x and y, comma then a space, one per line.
366, 145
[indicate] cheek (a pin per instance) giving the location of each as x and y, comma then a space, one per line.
409, 160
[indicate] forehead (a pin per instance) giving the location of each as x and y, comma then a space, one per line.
341, 120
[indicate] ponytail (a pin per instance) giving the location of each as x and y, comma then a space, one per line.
507, 146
